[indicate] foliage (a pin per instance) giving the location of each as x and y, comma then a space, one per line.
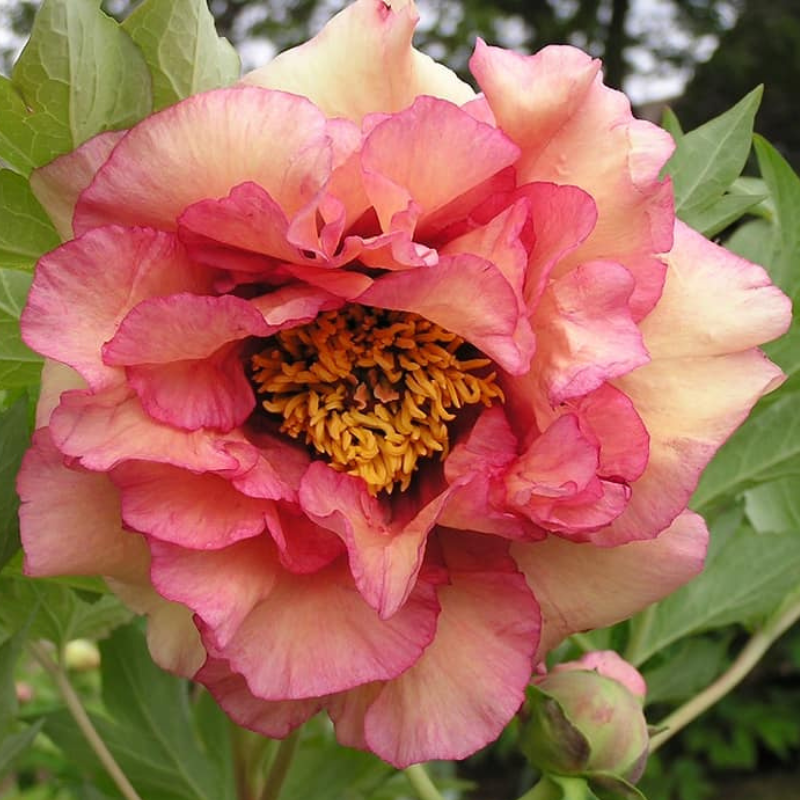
170, 739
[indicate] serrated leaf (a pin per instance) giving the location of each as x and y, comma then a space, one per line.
774, 507
767, 448
784, 186
19, 365
724, 212
152, 707
14, 439
183, 52
26, 231
708, 159
82, 71
747, 575
61, 615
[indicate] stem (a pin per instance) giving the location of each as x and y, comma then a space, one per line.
421, 783
639, 633
279, 768
82, 720
582, 641
751, 654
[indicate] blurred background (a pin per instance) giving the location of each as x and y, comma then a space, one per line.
698, 56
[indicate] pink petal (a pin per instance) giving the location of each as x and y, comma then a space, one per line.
320, 635
471, 680
367, 45
580, 587
83, 290
574, 130
70, 519
385, 546
193, 394
689, 406
242, 134
275, 719
102, 430
57, 378
585, 333
396, 175
468, 296
58, 185
294, 305
713, 302
196, 511
303, 546
182, 326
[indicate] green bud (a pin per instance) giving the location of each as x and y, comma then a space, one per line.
582, 723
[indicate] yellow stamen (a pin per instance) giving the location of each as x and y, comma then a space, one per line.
371, 389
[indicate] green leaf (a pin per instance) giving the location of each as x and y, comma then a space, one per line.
774, 507
752, 240
80, 69
671, 124
26, 231
152, 708
767, 448
61, 614
724, 212
746, 577
708, 159
182, 49
19, 365
13, 746
214, 730
14, 439
28, 139
784, 186
692, 666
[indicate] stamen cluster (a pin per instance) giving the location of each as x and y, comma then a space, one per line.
371, 390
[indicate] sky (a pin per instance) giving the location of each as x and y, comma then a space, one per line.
653, 82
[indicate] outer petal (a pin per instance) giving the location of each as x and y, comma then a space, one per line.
689, 406
472, 678
58, 184
242, 134
83, 290
713, 302
57, 378
468, 296
573, 130
367, 45
275, 719
320, 634
70, 519
195, 511
580, 586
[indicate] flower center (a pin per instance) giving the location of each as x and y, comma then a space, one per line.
371, 390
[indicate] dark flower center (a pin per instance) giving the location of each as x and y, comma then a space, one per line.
371, 390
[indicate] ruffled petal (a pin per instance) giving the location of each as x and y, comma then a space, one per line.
70, 520
83, 290
385, 551
468, 296
713, 302
367, 45
397, 176
574, 130
585, 332
487, 634
58, 185
581, 587
241, 134
200, 512
321, 635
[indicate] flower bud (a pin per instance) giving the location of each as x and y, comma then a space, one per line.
582, 722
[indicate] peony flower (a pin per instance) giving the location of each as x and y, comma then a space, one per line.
369, 389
